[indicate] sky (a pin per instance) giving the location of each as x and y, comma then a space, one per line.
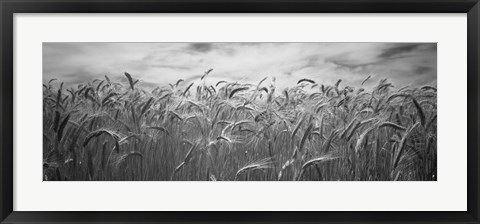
158, 64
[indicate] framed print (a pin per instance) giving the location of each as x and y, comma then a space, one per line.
256, 111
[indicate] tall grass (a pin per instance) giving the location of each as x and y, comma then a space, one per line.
115, 130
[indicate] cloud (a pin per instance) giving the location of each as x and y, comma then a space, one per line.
163, 63
398, 49
179, 67
405, 50
200, 47
401, 63
422, 69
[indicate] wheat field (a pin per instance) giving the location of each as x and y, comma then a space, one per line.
119, 130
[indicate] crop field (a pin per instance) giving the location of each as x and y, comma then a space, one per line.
119, 130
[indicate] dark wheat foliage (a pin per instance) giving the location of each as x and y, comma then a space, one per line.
116, 129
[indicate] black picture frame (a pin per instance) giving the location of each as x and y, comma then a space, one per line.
10, 7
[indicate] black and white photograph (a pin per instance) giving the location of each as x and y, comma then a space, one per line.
239, 111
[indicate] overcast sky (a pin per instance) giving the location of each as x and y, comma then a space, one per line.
403, 64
